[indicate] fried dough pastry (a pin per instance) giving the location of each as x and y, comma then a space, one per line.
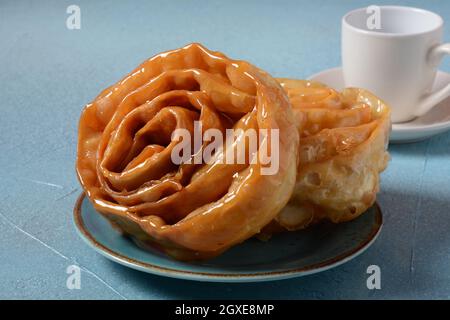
190, 211
343, 142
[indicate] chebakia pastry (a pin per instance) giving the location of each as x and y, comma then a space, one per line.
190, 210
343, 142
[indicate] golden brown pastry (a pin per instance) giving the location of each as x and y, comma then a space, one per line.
189, 210
343, 142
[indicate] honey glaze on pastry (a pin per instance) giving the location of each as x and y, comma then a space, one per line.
343, 142
190, 211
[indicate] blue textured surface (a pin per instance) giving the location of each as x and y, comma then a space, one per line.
49, 72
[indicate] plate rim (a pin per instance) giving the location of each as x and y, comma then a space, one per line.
221, 277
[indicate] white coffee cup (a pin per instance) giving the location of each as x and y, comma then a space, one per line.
397, 58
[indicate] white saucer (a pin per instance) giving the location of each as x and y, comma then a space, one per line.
434, 122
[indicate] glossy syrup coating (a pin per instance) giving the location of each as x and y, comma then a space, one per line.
343, 149
190, 211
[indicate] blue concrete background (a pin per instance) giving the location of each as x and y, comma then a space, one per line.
47, 74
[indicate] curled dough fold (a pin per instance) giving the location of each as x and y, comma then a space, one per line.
343, 142
189, 210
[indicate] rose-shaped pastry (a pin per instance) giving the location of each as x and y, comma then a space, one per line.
343, 142
190, 210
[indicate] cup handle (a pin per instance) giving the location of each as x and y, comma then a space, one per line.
431, 100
